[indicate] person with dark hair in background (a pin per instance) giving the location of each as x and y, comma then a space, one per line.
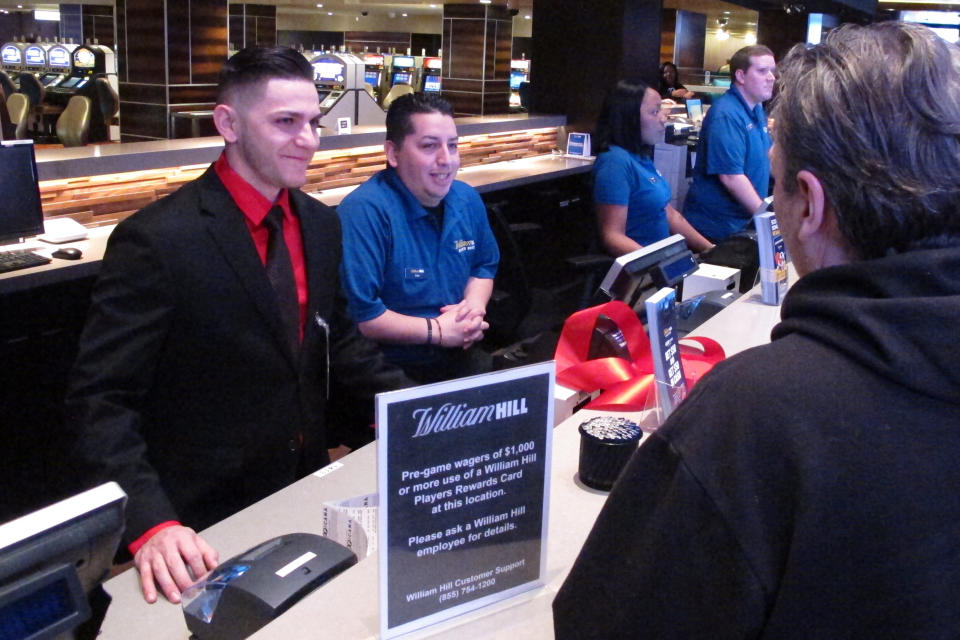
670, 86
805, 488
419, 255
215, 328
732, 174
631, 198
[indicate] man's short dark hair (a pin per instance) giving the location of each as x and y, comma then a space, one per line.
874, 113
256, 64
401, 110
619, 122
742, 58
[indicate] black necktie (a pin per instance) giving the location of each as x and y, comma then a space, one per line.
280, 273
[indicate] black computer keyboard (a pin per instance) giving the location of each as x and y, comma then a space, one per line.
20, 259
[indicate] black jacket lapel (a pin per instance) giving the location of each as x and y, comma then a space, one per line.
225, 223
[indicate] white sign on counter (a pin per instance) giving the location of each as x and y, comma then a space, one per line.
463, 469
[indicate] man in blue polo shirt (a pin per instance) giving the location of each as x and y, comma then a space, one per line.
732, 174
418, 254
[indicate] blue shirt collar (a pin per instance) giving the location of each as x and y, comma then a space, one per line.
414, 208
756, 112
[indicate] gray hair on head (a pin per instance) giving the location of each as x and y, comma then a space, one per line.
874, 113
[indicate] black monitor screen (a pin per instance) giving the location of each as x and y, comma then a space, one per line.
51, 560
637, 274
20, 212
71, 82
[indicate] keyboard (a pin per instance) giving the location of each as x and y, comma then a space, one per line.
20, 259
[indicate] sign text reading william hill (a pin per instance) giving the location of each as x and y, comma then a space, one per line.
463, 494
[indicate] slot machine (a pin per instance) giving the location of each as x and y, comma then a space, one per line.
431, 74
403, 71
339, 78
11, 55
373, 73
59, 64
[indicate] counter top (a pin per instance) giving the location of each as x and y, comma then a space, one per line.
485, 178
97, 159
349, 603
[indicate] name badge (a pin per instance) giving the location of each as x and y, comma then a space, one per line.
412, 273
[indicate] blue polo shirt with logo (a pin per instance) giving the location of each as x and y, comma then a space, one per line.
632, 180
733, 140
394, 256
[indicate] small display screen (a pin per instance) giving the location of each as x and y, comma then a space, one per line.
71, 82
431, 83
12, 55
373, 60
373, 77
433, 63
695, 109
84, 58
401, 78
403, 61
35, 56
327, 70
516, 77
58, 57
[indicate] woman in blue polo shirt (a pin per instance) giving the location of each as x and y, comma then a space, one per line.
630, 196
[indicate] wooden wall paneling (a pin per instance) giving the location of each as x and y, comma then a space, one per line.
146, 42
178, 41
100, 200
180, 46
465, 54
208, 41
668, 29
121, 22
691, 36
623, 38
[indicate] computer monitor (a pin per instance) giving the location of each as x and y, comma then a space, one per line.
636, 275
516, 77
695, 109
431, 84
401, 78
21, 214
52, 559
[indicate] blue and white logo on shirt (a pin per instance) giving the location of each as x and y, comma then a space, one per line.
464, 245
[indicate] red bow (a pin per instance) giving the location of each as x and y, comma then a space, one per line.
626, 385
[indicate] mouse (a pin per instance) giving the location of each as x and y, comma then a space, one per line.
68, 253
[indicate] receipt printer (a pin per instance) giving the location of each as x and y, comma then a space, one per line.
251, 589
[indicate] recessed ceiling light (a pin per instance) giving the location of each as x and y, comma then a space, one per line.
526, 17
329, 13
319, 5
485, 1
404, 15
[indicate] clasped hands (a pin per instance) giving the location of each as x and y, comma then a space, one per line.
461, 324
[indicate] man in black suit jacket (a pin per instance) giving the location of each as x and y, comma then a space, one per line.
189, 388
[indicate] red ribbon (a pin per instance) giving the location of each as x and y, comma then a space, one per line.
626, 385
